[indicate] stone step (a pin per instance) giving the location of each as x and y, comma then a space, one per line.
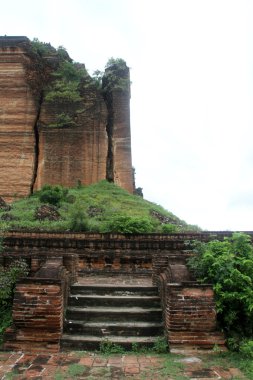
113, 300
87, 342
114, 314
116, 290
104, 329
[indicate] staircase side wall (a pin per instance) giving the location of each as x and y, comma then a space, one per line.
37, 316
38, 307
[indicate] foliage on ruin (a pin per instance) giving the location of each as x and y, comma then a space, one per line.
65, 86
115, 76
63, 120
53, 195
130, 224
107, 207
228, 265
8, 278
42, 48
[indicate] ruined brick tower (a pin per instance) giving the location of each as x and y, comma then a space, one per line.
35, 150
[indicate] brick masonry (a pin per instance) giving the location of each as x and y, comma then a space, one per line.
56, 259
38, 309
33, 152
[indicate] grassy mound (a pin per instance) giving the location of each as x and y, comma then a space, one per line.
101, 207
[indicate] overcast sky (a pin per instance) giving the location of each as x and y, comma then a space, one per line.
192, 92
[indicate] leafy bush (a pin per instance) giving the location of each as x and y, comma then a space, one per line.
65, 87
6, 320
109, 348
130, 224
8, 279
246, 348
78, 219
63, 120
160, 345
41, 48
169, 228
52, 194
119, 62
63, 92
228, 265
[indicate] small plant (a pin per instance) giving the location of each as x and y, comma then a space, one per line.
63, 120
160, 345
246, 348
75, 370
108, 348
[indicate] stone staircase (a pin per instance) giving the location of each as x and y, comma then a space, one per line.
124, 315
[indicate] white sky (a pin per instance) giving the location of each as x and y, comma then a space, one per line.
192, 92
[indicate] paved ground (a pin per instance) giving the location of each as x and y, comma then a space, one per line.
90, 366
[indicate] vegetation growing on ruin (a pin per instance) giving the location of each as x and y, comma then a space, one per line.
65, 86
102, 207
113, 76
8, 278
228, 265
61, 82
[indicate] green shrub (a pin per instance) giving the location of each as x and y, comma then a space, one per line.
65, 87
78, 219
246, 348
52, 194
119, 62
41, 48
130, 224
8, 279
5, 321
169, 228
63, 91
228, 265
109, 348
160, 345
63, 120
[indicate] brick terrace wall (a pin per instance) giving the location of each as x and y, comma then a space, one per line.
38, 308
110, 253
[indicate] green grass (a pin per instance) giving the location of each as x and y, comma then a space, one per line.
229, 360
106, 208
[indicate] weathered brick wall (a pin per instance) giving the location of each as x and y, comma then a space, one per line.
68, 155
191, 307
18, 112
37, 316
38, 307
191, 317
188, 308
